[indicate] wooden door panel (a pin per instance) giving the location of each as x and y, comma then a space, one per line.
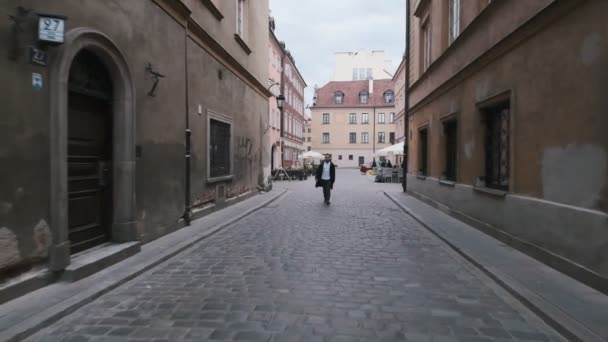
89, 151
84, 211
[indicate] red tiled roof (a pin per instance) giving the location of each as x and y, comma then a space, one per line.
351, 90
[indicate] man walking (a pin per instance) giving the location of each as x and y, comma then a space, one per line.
326, 176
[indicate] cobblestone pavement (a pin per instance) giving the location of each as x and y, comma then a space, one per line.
298, 270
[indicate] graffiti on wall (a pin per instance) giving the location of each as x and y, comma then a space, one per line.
245, 157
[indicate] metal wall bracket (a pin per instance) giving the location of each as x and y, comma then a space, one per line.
156, 76
18, 20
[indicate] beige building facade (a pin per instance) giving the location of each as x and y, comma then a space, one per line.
353, 119
507, 124
307, 134
146, 115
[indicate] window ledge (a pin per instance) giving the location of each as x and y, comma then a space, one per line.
490, 191
242, 43
213, 9
220, 179
421, 177
447, 183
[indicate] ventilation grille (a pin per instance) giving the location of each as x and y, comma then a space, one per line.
220, 192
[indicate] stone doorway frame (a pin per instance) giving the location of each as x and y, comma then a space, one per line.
123, 130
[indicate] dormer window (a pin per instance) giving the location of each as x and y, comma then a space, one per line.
389, 97
363, 97
339, 97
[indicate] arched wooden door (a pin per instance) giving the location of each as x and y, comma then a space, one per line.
89, 152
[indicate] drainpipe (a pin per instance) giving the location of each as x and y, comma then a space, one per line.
188, 134
406, 113
374, 134
282, 110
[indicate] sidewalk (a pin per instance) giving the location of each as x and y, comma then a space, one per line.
577, 311
30, 313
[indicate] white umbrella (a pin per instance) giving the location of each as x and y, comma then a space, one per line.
396, 149
311, 155
381, 153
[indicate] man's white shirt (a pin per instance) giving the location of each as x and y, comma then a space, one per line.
326, 174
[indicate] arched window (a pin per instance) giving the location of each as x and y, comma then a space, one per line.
339, 97
363, 97
389, 96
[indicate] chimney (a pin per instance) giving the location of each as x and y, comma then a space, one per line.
371, 87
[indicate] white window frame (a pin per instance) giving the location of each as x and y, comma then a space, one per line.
363, 96
325, 134
365, 118
426, 45
328, 119
391, 117
365, 137
339, 95
381, 115
350, 118
240, 18
350, 136
386, 96
383, 135
454, 20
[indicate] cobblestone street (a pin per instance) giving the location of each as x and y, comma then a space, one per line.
297, 270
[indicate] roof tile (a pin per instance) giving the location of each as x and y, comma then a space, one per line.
351, 90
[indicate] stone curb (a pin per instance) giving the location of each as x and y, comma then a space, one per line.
52, 314
557, 319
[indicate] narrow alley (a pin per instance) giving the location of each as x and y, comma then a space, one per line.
359, 269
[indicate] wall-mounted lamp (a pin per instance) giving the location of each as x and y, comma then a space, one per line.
280, 101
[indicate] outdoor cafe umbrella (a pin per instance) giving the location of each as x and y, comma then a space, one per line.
312, 155
394, 150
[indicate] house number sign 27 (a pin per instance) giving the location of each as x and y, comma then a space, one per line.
51, 29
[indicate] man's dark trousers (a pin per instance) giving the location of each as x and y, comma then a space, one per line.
326, 189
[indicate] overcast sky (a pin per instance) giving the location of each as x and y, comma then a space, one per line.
314, 29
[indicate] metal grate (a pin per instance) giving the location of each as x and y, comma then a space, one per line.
219, 149
497, 148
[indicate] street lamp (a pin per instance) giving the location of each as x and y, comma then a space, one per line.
280, 102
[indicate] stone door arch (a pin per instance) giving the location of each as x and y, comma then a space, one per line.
123, 227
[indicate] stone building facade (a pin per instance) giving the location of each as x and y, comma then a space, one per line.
146, 113
507, 120
351, 120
